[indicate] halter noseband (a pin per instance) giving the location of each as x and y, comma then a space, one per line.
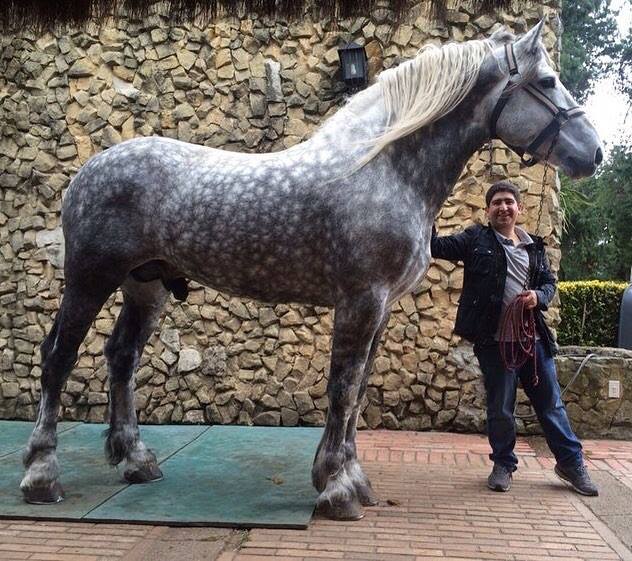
560, 115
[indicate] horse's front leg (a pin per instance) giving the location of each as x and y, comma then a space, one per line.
357, 319
363, 487
142, 305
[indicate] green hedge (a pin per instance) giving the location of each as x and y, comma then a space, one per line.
590, 312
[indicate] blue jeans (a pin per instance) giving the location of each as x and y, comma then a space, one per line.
501, 385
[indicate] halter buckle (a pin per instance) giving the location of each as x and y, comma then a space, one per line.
562, 117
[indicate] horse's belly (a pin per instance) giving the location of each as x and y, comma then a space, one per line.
269, 280
273, 293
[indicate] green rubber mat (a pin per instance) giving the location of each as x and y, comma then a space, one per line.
217, 476
87, 478
15, 434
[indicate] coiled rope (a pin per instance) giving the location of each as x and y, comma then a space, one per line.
517, 340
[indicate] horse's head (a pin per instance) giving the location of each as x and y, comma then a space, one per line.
534, 113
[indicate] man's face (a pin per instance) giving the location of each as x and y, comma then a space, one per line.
503, 211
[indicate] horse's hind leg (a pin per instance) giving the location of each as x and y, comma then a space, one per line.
363, 487
78, 309
142, 305
357, 320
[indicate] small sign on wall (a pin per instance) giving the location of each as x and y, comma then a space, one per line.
614, 388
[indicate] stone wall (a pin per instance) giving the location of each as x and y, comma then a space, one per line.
249, 85
592, 411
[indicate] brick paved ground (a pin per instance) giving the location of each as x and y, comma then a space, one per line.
612, 456
435, 506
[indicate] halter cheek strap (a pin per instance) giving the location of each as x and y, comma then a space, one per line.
510, 56
560, 115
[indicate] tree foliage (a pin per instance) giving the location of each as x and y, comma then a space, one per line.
590, 44
598, 210
624, 78
597, 242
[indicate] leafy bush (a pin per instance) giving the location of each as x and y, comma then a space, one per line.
590, 312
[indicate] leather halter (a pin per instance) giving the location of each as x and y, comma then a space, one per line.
560, 115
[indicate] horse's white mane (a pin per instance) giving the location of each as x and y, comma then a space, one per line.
425, 88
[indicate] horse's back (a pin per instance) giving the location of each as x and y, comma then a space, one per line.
150, 176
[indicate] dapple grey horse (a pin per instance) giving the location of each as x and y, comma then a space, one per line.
342, 220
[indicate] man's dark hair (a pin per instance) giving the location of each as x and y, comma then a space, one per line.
502, 187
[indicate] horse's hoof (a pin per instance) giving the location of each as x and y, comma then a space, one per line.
143, 474
50, 494
340, 510
319, 483
366, 495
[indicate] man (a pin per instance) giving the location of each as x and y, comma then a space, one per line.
502, 262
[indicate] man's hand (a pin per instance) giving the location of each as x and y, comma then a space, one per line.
530, 299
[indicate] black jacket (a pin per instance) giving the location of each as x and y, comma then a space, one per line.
484, 278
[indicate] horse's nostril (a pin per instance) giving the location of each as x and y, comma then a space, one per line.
598, 156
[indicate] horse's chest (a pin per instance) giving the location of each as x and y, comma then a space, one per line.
414, 271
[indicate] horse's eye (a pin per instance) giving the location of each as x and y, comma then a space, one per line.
548, 82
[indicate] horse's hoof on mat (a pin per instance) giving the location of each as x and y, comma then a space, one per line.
348, 510
144, 474
51, 494
366, 496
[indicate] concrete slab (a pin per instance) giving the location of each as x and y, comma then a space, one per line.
613, 506
621, 525
193, 544
614, 498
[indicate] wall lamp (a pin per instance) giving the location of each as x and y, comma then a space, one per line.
354, 66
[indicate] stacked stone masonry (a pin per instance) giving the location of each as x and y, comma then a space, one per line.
253, 85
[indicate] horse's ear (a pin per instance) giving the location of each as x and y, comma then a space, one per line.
529, 43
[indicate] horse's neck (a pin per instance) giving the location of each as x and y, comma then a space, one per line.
431, 159
347, 130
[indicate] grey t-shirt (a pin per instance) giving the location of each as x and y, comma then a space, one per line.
517, 267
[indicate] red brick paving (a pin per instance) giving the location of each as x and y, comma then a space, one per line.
435, 507
67, 541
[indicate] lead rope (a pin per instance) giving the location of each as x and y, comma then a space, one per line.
517, 337
544, 174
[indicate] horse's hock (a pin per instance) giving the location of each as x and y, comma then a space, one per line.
247, 85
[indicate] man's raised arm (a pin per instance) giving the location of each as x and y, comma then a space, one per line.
453, 248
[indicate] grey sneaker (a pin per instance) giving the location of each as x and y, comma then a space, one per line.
578, 479
499, 479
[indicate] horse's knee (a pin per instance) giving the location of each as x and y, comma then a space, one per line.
56, 365
122, 360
